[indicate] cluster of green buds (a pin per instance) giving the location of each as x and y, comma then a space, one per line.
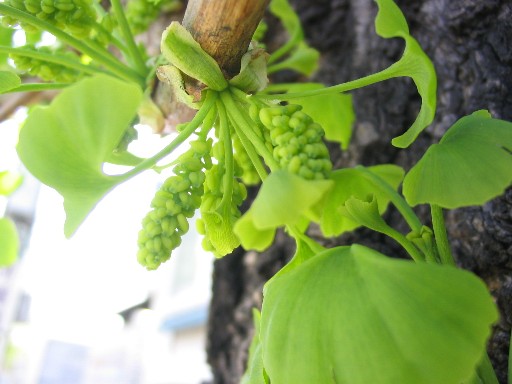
43, 69
297, 141
173, 205
74, 16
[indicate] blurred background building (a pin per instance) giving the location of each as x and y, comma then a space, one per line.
82, 311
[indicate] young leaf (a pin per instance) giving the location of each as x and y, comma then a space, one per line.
9, 242
8, 80
252, 237
220, 232
255, 373
359, 317
350, 182
291, 22
390, 22
179, 47
65, 144
9, 182
284, 199
471, 164
303, 59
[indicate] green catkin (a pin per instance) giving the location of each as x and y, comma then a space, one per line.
297, 141
214, 194
45, 70
173, 204
76, 17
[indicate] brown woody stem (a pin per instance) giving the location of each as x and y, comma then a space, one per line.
224, 28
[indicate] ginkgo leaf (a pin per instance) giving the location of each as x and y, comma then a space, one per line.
471, 164
353, 315
390, 22
255, 373
65, 144
8, 80
351, 182
284, 199
9, 242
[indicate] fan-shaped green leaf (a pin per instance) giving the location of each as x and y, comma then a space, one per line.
390, 22
351, 315
65, 144
255, 373
284, 199
8, 80
351, 182
9, 242
471, 164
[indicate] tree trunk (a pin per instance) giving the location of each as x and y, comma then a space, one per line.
470, 42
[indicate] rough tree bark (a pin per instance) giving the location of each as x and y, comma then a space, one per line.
470, 42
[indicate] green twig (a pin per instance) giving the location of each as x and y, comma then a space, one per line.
443, 246
102, 57
128, 38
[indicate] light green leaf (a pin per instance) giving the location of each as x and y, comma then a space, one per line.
255, 373
291, 22
5, 40
9, 182
390, 22
352, 315
179, 47
8, 80
253, 71
220, 232
284, 199
365, 213
303, 59
471, 164
351, 182
65, 144
252, 237
9, 242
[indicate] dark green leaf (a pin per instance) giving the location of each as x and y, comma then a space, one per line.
9, 242
65, 144
352, 315
471, 164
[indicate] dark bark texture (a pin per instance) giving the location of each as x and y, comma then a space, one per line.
470, 43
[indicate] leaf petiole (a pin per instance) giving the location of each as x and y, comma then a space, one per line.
102, 56
397, 200
443, 245
128, 38
53, 58
211, 98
